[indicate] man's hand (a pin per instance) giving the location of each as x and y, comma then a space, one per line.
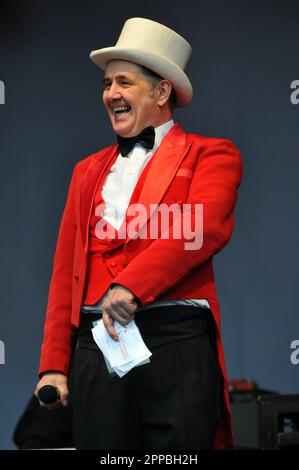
120, 305
56, 380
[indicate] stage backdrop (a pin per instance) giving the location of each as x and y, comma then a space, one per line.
245, 73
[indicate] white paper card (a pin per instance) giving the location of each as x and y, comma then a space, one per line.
121, 356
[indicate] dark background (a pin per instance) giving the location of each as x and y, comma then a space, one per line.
245, 55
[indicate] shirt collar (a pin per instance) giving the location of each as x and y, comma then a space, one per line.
160, 133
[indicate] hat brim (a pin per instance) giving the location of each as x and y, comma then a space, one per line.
155, 62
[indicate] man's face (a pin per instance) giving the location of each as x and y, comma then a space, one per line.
126, 86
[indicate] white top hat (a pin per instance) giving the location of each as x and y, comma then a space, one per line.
155, 46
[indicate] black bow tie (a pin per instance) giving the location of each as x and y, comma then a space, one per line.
146, 138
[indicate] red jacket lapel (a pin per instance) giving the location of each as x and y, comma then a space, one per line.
166, 161
98, 167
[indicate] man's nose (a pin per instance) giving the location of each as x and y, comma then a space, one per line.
114, 92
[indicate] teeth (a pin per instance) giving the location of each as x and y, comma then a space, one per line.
120, 109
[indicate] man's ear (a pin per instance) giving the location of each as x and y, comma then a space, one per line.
164, 88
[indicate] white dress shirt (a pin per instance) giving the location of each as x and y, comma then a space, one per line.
122, 178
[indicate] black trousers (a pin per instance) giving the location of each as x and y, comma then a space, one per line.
173, 402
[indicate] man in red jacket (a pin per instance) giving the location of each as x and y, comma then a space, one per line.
116, 260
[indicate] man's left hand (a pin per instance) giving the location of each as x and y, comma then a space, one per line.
120, 305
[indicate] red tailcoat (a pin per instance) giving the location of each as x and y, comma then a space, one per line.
186, 168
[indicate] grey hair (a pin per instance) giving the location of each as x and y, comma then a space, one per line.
155, 79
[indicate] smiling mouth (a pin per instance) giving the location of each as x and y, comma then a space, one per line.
121, 110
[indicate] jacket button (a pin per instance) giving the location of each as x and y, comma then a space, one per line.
113, 264
119, 268
76, 277
149, 299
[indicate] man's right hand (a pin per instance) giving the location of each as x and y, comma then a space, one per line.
58, 380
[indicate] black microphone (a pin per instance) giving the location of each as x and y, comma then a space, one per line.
48, 394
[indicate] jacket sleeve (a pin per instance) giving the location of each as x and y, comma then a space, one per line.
167, 262
58, 331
